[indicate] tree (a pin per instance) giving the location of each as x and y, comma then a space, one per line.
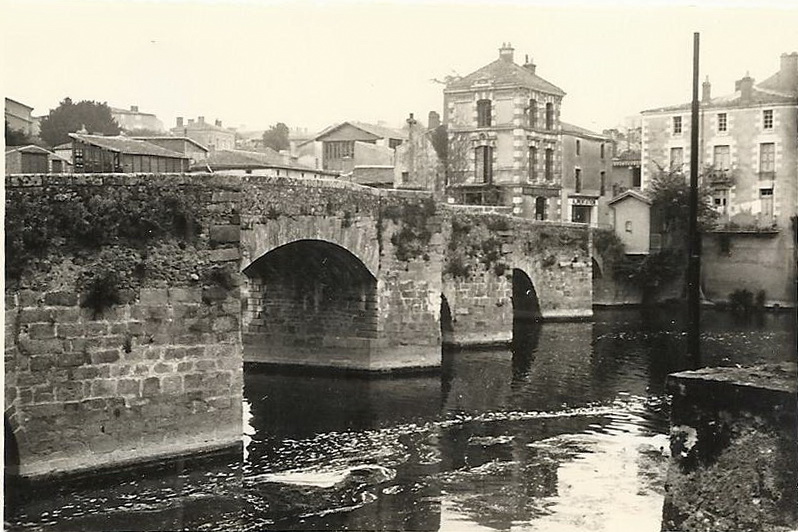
16, 137
454, 152
69, 117
670, 205
276, 137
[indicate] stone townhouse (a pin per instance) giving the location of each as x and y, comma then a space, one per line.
505, 144
587, 162
212, 136
748, 155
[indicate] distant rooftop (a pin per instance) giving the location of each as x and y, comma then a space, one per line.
170, 137
250, 160
373, 129
582, 132
127, 145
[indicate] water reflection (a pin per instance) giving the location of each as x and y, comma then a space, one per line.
565, 431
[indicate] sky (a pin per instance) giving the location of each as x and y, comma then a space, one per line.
308, 64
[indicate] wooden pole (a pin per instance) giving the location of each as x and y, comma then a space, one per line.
694, 238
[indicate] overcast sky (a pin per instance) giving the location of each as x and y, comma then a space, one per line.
311, 64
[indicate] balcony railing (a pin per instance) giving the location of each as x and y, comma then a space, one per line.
720, 176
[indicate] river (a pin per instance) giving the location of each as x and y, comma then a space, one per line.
566, 431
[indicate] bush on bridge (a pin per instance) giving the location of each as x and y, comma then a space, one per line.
412, 239
88, 218
475, 243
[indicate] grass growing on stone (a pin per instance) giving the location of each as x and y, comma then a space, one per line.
412, 239
39, 222
474, 244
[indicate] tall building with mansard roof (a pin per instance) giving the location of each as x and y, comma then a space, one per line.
505, 146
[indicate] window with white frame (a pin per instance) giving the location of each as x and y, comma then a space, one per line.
677, 125
766, 201
721, 157
722, 122
767, 119
767, 159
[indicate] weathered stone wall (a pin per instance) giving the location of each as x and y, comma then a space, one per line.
398, 325
156, 373
304, 322
410, 283
734, 452
482, 252
752, 262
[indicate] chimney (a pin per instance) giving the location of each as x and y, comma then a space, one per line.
179, 121
218, 123
746, 87
134, 108
201, 119
528, 64
506, 52
788, 73
190, 121
706, 88
434, 120
411, 121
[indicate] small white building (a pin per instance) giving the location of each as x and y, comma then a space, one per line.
632, 221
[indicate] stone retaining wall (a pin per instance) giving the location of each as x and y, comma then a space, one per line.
734, 448
158, 373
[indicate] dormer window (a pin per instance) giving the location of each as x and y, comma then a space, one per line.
483, 113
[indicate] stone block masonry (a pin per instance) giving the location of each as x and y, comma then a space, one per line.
734, 456
488, 255
157, 374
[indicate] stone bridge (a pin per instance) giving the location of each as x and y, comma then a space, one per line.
269, 270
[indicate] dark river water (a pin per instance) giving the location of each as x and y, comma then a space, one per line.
565, 431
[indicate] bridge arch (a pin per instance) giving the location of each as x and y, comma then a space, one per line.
597, 270
359, 239
10, 450
310, 302
526, 305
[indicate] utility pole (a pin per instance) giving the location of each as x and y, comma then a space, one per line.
694, 244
